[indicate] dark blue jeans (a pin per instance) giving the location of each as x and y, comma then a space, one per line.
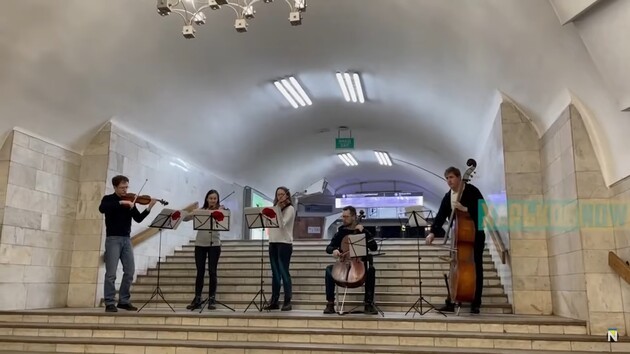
212, 254
118, 248
280, 259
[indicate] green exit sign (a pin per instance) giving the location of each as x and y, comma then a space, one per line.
344, 143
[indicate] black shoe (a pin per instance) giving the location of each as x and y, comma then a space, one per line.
287, 306
111, 308
474, 310
370, 310
447, 308
212, 303
330, 308
273, 306
194, 304
128, 307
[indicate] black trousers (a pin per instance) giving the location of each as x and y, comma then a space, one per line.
370, 281
280, 260
480, 242
212, 253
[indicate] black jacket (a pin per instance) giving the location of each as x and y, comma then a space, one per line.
335, 242
471, 198
118, 217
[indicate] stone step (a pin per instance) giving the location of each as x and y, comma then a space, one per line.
314, 259
308, 280
230, 287
437, 244
255, 272
316, 305
312, 319
403, 338
299, 264
16, 344
186, 297
225, 251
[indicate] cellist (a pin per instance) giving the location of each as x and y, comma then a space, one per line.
351, 226
470, 201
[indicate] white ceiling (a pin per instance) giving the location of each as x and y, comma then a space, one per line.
432, 71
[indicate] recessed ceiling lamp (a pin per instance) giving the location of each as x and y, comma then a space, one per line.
293, 92
348, 159
351, 87
383, 158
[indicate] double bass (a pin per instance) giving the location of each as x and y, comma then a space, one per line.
349, 272
462, 285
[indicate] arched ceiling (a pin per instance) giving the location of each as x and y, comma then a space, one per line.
431, 69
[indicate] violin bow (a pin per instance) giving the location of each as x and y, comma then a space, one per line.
138, 194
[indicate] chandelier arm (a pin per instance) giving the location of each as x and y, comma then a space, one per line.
233, 8
178, 11
200, 10
290, 6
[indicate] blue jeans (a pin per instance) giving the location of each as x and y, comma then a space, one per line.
280, 259
118, 248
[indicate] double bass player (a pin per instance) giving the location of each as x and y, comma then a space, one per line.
351, 226
469, 203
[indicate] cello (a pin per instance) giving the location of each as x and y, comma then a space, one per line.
462, 277
349, 272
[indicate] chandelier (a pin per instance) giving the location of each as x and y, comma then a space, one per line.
193, 12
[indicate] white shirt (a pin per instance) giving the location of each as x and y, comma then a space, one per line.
284, 233
454, 196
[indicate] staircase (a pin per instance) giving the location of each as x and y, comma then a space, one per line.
157, 329
239, 277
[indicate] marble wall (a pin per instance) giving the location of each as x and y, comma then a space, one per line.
52, 235
603, 285
566, 262
167, 177
580, 229
37, 225
523, 185
620, 201
490, 179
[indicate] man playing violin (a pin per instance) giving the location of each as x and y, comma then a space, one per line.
469, 203
118, 214
351, 226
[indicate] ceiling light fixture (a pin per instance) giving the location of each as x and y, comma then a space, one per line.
293, 92
348, 159
383, 158
192, 12
351, 86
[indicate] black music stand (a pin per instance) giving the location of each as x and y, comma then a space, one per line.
418, 218
257, 219
168, 219
205, 220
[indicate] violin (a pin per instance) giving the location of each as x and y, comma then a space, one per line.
142, 199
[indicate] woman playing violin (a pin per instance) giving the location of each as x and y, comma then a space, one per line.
280, 250
118, 212
207, 246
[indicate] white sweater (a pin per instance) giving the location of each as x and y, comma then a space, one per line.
284, 233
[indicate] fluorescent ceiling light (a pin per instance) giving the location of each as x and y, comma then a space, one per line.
293, 92
383, 158
348, 159
351, 87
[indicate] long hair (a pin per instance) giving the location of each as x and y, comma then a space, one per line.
205, 200
287, 192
